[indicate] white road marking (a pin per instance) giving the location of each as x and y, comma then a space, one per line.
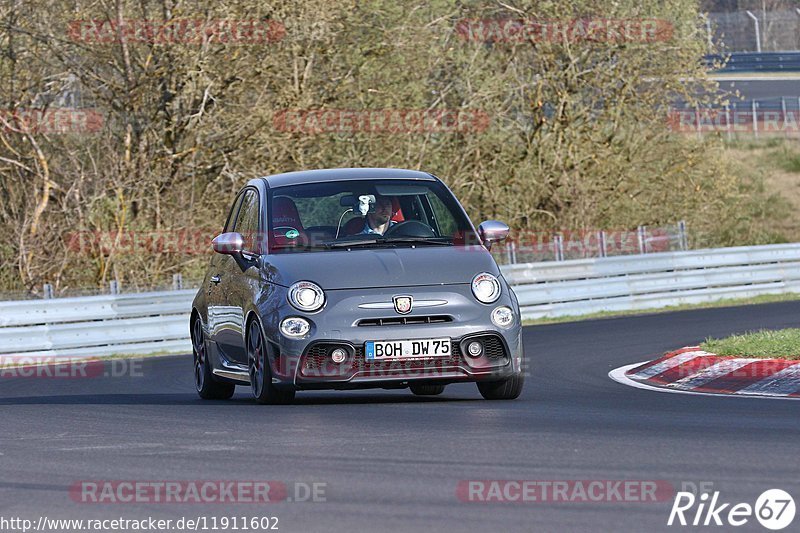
619, 376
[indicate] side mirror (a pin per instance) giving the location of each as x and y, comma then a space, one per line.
492, 231
228, 243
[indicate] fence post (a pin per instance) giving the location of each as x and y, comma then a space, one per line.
728, 120
601, 239
113, 287
697, 125
177, 282
783, 113
755, 119
558, 243
640, 232
47, 291
758, 31
682, 235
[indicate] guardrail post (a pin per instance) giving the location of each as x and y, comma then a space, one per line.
47, 291
513, 249
113, 287
177, 282
640, 232
558, 244
684, 241
601, 240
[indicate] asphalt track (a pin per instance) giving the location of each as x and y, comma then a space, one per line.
392, 461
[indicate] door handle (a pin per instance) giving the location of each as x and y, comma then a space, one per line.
215, 279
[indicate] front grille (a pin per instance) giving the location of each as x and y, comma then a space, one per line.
317, 355
405, 320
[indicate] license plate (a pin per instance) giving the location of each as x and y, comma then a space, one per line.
410, 349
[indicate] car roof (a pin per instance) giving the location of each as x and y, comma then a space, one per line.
339, 174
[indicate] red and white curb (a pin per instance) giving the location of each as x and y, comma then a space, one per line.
692, 371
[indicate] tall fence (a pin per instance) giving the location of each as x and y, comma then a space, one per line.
530, 247
755, 31
159, 321
764, 117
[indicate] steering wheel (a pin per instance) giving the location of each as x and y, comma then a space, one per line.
410, 228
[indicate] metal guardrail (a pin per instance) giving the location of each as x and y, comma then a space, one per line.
97, 325
158, 321
757, 61
630, 283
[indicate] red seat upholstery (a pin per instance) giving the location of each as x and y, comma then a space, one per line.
284, 219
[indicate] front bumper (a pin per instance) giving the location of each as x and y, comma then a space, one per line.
350, 319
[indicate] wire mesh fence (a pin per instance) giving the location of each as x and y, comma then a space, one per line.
767, 117
755, 31
533, 247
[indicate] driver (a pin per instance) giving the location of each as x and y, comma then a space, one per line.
379, 220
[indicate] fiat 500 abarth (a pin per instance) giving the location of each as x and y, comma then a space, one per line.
354, 278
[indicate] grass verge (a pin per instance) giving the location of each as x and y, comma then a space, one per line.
729, 302
781, 344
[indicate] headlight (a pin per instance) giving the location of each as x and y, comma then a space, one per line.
306, 296
295, 326
486, 288
503, 317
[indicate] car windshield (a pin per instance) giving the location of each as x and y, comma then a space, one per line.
365, 214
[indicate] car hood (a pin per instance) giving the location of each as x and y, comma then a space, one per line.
381, 267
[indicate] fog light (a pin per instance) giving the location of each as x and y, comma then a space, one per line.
295, 326
503, 317
475, 348
338, 355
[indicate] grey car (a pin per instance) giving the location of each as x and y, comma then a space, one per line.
350, 279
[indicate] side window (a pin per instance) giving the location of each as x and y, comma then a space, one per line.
232, 214
444, 219
247, 220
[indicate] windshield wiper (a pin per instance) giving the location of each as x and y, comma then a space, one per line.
354, 242
382, 241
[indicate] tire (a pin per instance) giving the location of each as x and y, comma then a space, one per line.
507, 389
421, 389
204, 382
261, 385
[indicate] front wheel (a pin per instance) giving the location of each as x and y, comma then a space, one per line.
507, 389
264, 391
204, 383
